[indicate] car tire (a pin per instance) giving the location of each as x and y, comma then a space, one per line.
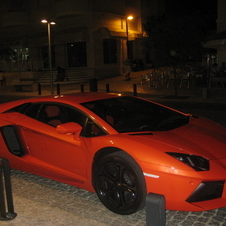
119, 183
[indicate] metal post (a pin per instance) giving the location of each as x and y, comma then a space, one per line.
205, 93
6, 198
155, 210
58, 89
50, 59
39, 89
107, 88
127, 38
127, 35
135, 90
82, 87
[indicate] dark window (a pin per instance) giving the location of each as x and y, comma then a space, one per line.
77, 56
110, 51
33, 111
21, 108
54, 114
92, 129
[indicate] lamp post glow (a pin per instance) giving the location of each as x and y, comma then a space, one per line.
127, 34
50, 53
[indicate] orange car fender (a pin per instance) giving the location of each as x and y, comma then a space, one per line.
140, 152
140, 149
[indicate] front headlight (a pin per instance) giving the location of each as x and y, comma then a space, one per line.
196, 162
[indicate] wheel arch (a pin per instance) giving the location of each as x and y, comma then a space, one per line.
102, 153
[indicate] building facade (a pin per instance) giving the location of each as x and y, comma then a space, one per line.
94, 36
218, 41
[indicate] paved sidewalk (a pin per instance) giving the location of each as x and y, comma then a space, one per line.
40, 201
120, 84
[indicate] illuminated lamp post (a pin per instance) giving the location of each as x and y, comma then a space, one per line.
127, 34
50, 53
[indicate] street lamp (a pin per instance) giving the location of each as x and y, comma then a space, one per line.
127, 34
50, 53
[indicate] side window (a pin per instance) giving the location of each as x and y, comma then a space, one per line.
51, 114
55, 114
33, 111
21, 108
92, 129
74, 115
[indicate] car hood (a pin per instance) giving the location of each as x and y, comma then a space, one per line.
200, 137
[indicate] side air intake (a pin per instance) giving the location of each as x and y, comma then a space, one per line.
12, 141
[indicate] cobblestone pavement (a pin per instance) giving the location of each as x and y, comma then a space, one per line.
43, 202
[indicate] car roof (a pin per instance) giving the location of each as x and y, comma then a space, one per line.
89, 96
71, 98
78, 97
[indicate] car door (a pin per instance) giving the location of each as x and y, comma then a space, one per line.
57, 154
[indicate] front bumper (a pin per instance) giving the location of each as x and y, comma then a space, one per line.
189, 190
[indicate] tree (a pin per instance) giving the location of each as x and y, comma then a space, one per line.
177, 39
180, 33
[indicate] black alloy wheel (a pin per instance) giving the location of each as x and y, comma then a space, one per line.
119, 183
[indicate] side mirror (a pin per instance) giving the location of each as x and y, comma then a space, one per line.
69, 127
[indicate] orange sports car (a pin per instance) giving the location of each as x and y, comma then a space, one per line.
120, 147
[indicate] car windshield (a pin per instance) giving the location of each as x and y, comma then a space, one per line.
130, 114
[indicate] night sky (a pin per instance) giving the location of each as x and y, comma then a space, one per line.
191, 5
202, 7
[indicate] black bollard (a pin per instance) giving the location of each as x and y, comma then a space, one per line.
107, 88
135, 90
206, 93
82, 87
39, 89
58, 89
6, 197
155, 210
